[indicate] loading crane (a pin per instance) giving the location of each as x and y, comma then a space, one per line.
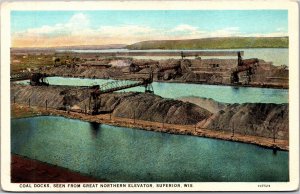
162, 69
38, 79
247, 65
137, 67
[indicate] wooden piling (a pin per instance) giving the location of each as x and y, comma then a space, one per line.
90, 103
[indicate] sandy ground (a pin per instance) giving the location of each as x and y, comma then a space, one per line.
18, 110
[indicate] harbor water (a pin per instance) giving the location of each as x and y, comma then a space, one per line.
132, 155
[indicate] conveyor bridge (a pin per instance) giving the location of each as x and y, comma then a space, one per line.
119, 85
116, 86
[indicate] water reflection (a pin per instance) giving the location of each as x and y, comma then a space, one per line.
95, 128
235, 88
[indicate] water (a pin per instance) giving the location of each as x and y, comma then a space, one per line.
124, 154
279, 56
226, 94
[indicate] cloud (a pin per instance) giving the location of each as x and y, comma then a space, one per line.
226, 32
124, 31
272, 34
79, 31
280, 29
79, 20
185, 28
77, 23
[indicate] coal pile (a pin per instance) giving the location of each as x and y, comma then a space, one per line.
132, 105
258, 119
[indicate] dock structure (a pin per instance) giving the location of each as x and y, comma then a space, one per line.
160, 53
20, 76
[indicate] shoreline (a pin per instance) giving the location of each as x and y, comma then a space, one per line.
153, 126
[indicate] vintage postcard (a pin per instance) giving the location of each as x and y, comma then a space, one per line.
150, 96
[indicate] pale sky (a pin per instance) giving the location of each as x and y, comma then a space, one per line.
63, 28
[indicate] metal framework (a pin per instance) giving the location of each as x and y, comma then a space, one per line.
116, 86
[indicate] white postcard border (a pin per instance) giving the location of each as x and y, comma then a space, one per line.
293, 16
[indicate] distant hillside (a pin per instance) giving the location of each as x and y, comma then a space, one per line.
214, 43
77, 47
93, 47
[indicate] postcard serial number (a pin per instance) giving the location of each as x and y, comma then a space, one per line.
264, 185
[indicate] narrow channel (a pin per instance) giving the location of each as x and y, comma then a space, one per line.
224, 94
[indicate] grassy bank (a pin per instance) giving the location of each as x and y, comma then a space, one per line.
214, 43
